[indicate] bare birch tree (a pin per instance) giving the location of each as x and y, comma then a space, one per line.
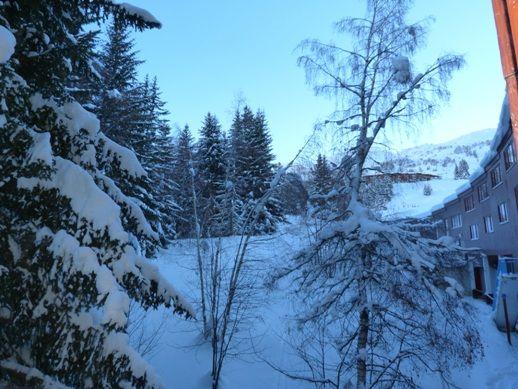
231, 285
382, 286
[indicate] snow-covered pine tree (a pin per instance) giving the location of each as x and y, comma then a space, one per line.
84, 83
211, 173
463, 170
123, 107
323, 200
71, 260
321, 183
265, 171
238, 150
427, 190
229, 216
253, 166
292, 194
321, 176
119, 94
456, 173
157, 157
183, 177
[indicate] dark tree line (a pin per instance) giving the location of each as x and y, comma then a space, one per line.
227, 173
88, 194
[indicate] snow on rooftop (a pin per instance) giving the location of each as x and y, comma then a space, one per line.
464, 187
476, 174
7, 44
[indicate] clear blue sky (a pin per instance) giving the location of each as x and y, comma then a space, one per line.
210, 51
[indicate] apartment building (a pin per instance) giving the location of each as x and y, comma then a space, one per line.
484, 212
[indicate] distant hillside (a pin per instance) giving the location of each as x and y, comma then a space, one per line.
439, 159
408, 199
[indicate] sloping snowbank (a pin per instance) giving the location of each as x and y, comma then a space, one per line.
184, 362
409, 200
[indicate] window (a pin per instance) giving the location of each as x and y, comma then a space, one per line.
473, 232
456, 221
503, 213
496, 176
492, 261
511, 264
488, 224
509, 156
482, 192
469, 204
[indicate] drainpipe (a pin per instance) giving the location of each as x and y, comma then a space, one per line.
506, 20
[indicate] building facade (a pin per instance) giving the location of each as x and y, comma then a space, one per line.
484, 213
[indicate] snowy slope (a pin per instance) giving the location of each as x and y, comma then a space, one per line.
183, 361
440, 159
409, 201
437, 159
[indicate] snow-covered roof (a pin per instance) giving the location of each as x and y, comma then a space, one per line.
502, 130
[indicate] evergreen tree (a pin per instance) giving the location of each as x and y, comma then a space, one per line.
84, 84
119, 101
321, 184
245, 152
321, 176
463, 170
183, 176
229, 217
292, 194
69, 236
124, 107
456, 173
264, 172
211, 170
157, 157
253, 166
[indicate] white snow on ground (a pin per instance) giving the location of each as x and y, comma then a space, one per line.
409, 200
436, 159
7, 44
498, 369
184, 362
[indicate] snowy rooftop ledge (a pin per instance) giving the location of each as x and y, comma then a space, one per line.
503, 126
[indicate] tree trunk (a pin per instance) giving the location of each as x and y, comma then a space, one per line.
363, 333
198, 255
363, 330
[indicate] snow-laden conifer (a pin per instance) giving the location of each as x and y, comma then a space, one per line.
210, 173
122, 104
253, 167
71, 258
184, 177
